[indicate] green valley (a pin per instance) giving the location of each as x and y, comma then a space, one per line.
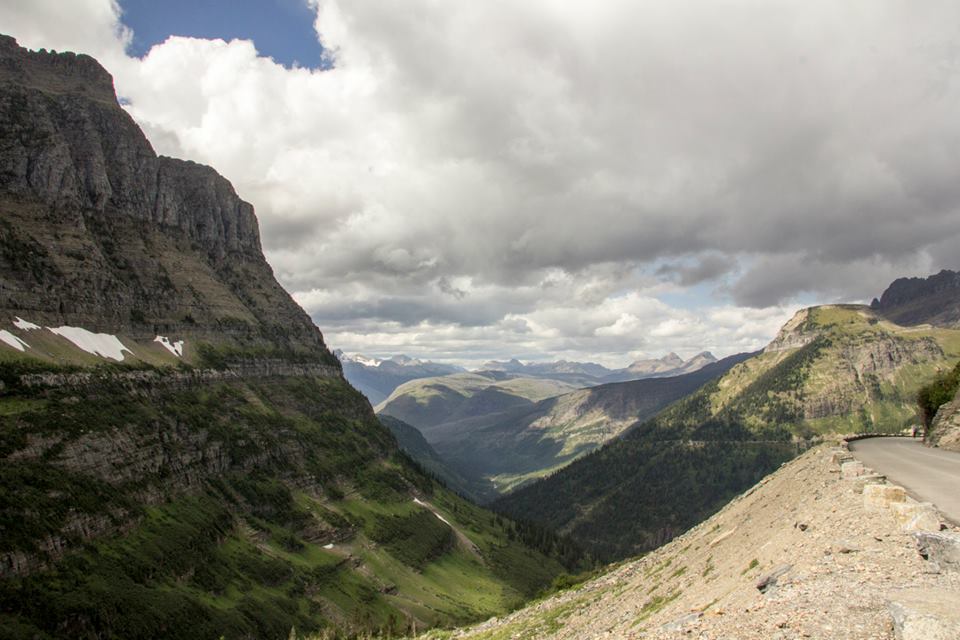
832, 369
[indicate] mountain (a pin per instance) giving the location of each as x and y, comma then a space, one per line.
581, 374
933, 300
831, 369
514, 446
798, 555
668, 366
588, 374
412, 442
180, 454
99, 232
669, 362
377, 378
427, 402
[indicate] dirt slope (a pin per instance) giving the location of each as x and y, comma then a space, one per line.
840, 565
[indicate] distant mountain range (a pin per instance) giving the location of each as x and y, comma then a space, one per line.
376, 378
513, 443
588, 374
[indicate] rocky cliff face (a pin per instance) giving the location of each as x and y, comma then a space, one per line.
933, 300
180, 456
945, 430
98, 231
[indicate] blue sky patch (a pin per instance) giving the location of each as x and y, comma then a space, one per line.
280, 29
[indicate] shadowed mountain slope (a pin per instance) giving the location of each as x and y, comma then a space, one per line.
932, 300
514, 446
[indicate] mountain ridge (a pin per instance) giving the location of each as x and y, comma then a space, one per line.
831, 369
126, 242
933, 300
378, 378
591, 373
514, 446
181, 454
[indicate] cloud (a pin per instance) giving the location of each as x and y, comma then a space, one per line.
475, 178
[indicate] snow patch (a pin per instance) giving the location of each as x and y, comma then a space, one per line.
13, 340
176, 348
328, 546
439, 517
104, 345
22, 324
367, 362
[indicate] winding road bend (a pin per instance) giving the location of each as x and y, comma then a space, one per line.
928, 474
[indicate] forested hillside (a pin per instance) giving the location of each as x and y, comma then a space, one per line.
513, 447
831, 369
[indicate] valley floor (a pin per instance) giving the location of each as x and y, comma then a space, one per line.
840, 566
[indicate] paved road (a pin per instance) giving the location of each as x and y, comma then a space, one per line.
930, 475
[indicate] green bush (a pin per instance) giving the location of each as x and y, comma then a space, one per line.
942, 390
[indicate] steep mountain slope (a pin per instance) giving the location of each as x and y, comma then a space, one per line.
427, 402
945, 430
939, 404
377, 379
799, 555
98, 232
515, 446
412, 442
180, 455
933, 300
831, 369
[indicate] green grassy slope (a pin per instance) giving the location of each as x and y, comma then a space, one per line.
412, 442
427, 402
234, 509
832, 369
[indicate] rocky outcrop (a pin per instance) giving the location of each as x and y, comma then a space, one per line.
933, 300
944, 432
794, 334
98, 231
70, 145
153, 380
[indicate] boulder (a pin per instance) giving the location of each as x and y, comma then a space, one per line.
881, 496
769, 581
941, 548
839, 456
916, 516
925, 614
852, 469
865, 480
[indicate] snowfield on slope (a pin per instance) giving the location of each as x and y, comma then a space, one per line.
13, 340
176, 348
104, 345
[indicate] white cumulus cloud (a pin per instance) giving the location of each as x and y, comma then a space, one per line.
562, 178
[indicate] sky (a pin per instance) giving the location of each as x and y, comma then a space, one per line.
601, 181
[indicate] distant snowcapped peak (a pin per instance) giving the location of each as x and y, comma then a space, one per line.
365, 361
